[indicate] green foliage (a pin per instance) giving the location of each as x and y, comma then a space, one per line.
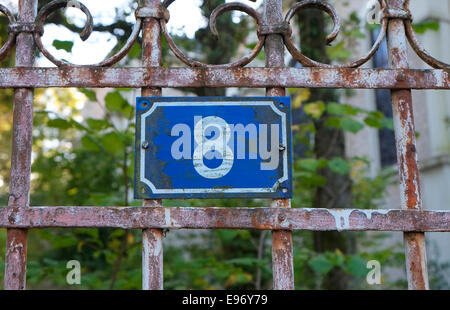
63, 45
339, 52
325, 262
111, 143
89, 144
90, 94
314, 109
346, 117
97, 124
426, 25
116, 103
339, 165
320, 264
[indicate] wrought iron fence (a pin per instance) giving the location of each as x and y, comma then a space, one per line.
274, 34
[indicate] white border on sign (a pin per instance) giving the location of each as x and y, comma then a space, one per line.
214, 190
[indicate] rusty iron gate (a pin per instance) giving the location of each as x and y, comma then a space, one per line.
274, 33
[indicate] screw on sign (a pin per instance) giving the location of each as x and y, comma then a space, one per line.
213, 148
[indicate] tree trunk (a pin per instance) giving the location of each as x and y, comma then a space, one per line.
328, 144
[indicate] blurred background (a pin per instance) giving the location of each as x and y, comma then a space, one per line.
344, 147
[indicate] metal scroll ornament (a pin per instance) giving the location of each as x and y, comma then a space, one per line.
162, 15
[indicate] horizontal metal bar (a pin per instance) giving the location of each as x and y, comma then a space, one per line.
229, 218
96, 77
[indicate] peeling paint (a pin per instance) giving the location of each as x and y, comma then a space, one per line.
170, 222
342, 218
370, 213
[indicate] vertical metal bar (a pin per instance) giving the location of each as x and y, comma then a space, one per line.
282, 253
415, 249
152, 239
16, 243
152, 255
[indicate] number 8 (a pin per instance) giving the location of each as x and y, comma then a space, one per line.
218, 144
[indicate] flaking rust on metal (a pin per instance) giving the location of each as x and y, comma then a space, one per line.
97, 77
283, 270
415, 249
152, 239
152, 259
275, 218
170, 221
16, 247
16, 253
282, 249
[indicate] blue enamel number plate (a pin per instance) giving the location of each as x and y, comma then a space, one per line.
200, 147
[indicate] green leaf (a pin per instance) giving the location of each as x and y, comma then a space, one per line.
338, 52
60, 243
301, 95
243, 261
97, 124
77, 125
111, 143
349, 124
388, 123
376, 114
89, 144
63, 45
340, 166
127, 111
341, 109
116, 103
336, 109
244, 234
356, 266
337, 258
308, 164
135, 51
320, 264
314, 109
422, 27
227, 235
90, 94
373, 122
311, 164
310, 179
59, 123
334, 122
